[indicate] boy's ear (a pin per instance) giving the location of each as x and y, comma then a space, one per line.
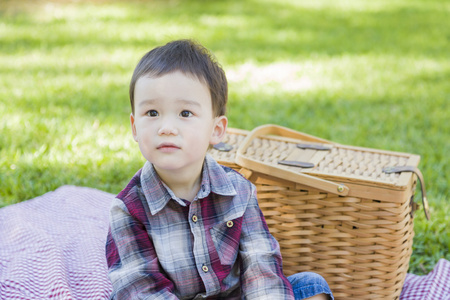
133, 127
220, 128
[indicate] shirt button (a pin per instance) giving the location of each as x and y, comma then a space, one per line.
205, 269
194, 219
230, 224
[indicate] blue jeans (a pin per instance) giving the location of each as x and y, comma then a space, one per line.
308, 284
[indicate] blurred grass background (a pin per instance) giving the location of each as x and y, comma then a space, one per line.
364, 73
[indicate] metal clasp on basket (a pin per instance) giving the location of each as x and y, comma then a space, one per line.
314, 147
295, 163
415, 170
224, 147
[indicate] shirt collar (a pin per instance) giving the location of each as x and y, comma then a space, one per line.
158, 194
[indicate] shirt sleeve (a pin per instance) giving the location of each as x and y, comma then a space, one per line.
261, 264
133, 265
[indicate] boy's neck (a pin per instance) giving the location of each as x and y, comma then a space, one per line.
185, 185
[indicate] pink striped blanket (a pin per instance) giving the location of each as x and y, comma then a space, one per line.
52, 247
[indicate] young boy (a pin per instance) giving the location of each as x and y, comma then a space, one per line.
186, 227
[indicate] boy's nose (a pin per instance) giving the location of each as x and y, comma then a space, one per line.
167, 129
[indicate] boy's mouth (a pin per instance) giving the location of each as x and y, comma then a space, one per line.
168, 147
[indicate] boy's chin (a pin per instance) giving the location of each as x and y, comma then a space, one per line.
176, 167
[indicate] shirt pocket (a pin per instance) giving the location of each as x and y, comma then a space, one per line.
226, 236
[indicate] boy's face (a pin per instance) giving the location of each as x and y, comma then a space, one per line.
173, 121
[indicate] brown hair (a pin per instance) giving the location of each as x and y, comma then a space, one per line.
188, 57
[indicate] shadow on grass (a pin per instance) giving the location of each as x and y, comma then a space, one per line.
263, 31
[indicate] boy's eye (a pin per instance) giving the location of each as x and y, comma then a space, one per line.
186, 114
152, 113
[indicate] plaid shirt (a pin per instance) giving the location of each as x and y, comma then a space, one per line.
217, 247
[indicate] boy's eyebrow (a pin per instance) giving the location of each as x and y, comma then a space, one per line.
180, 101
188, 102
148, 101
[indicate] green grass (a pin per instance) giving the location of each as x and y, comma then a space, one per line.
365, 73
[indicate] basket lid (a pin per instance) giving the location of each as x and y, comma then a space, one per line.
324, 159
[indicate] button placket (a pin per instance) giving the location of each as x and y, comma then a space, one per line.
200, 249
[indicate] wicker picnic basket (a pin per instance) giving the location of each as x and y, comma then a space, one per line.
343, 212
225, 152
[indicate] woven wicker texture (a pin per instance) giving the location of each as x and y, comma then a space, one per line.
358, 237
233, 137
339, 161
361, 246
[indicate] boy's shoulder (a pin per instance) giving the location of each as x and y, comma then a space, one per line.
235, 175
227, 181
131, 191
133, 199
243, 187
215, 169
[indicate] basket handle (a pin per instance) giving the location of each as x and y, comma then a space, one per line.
286, 174
271, 129
415, 170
